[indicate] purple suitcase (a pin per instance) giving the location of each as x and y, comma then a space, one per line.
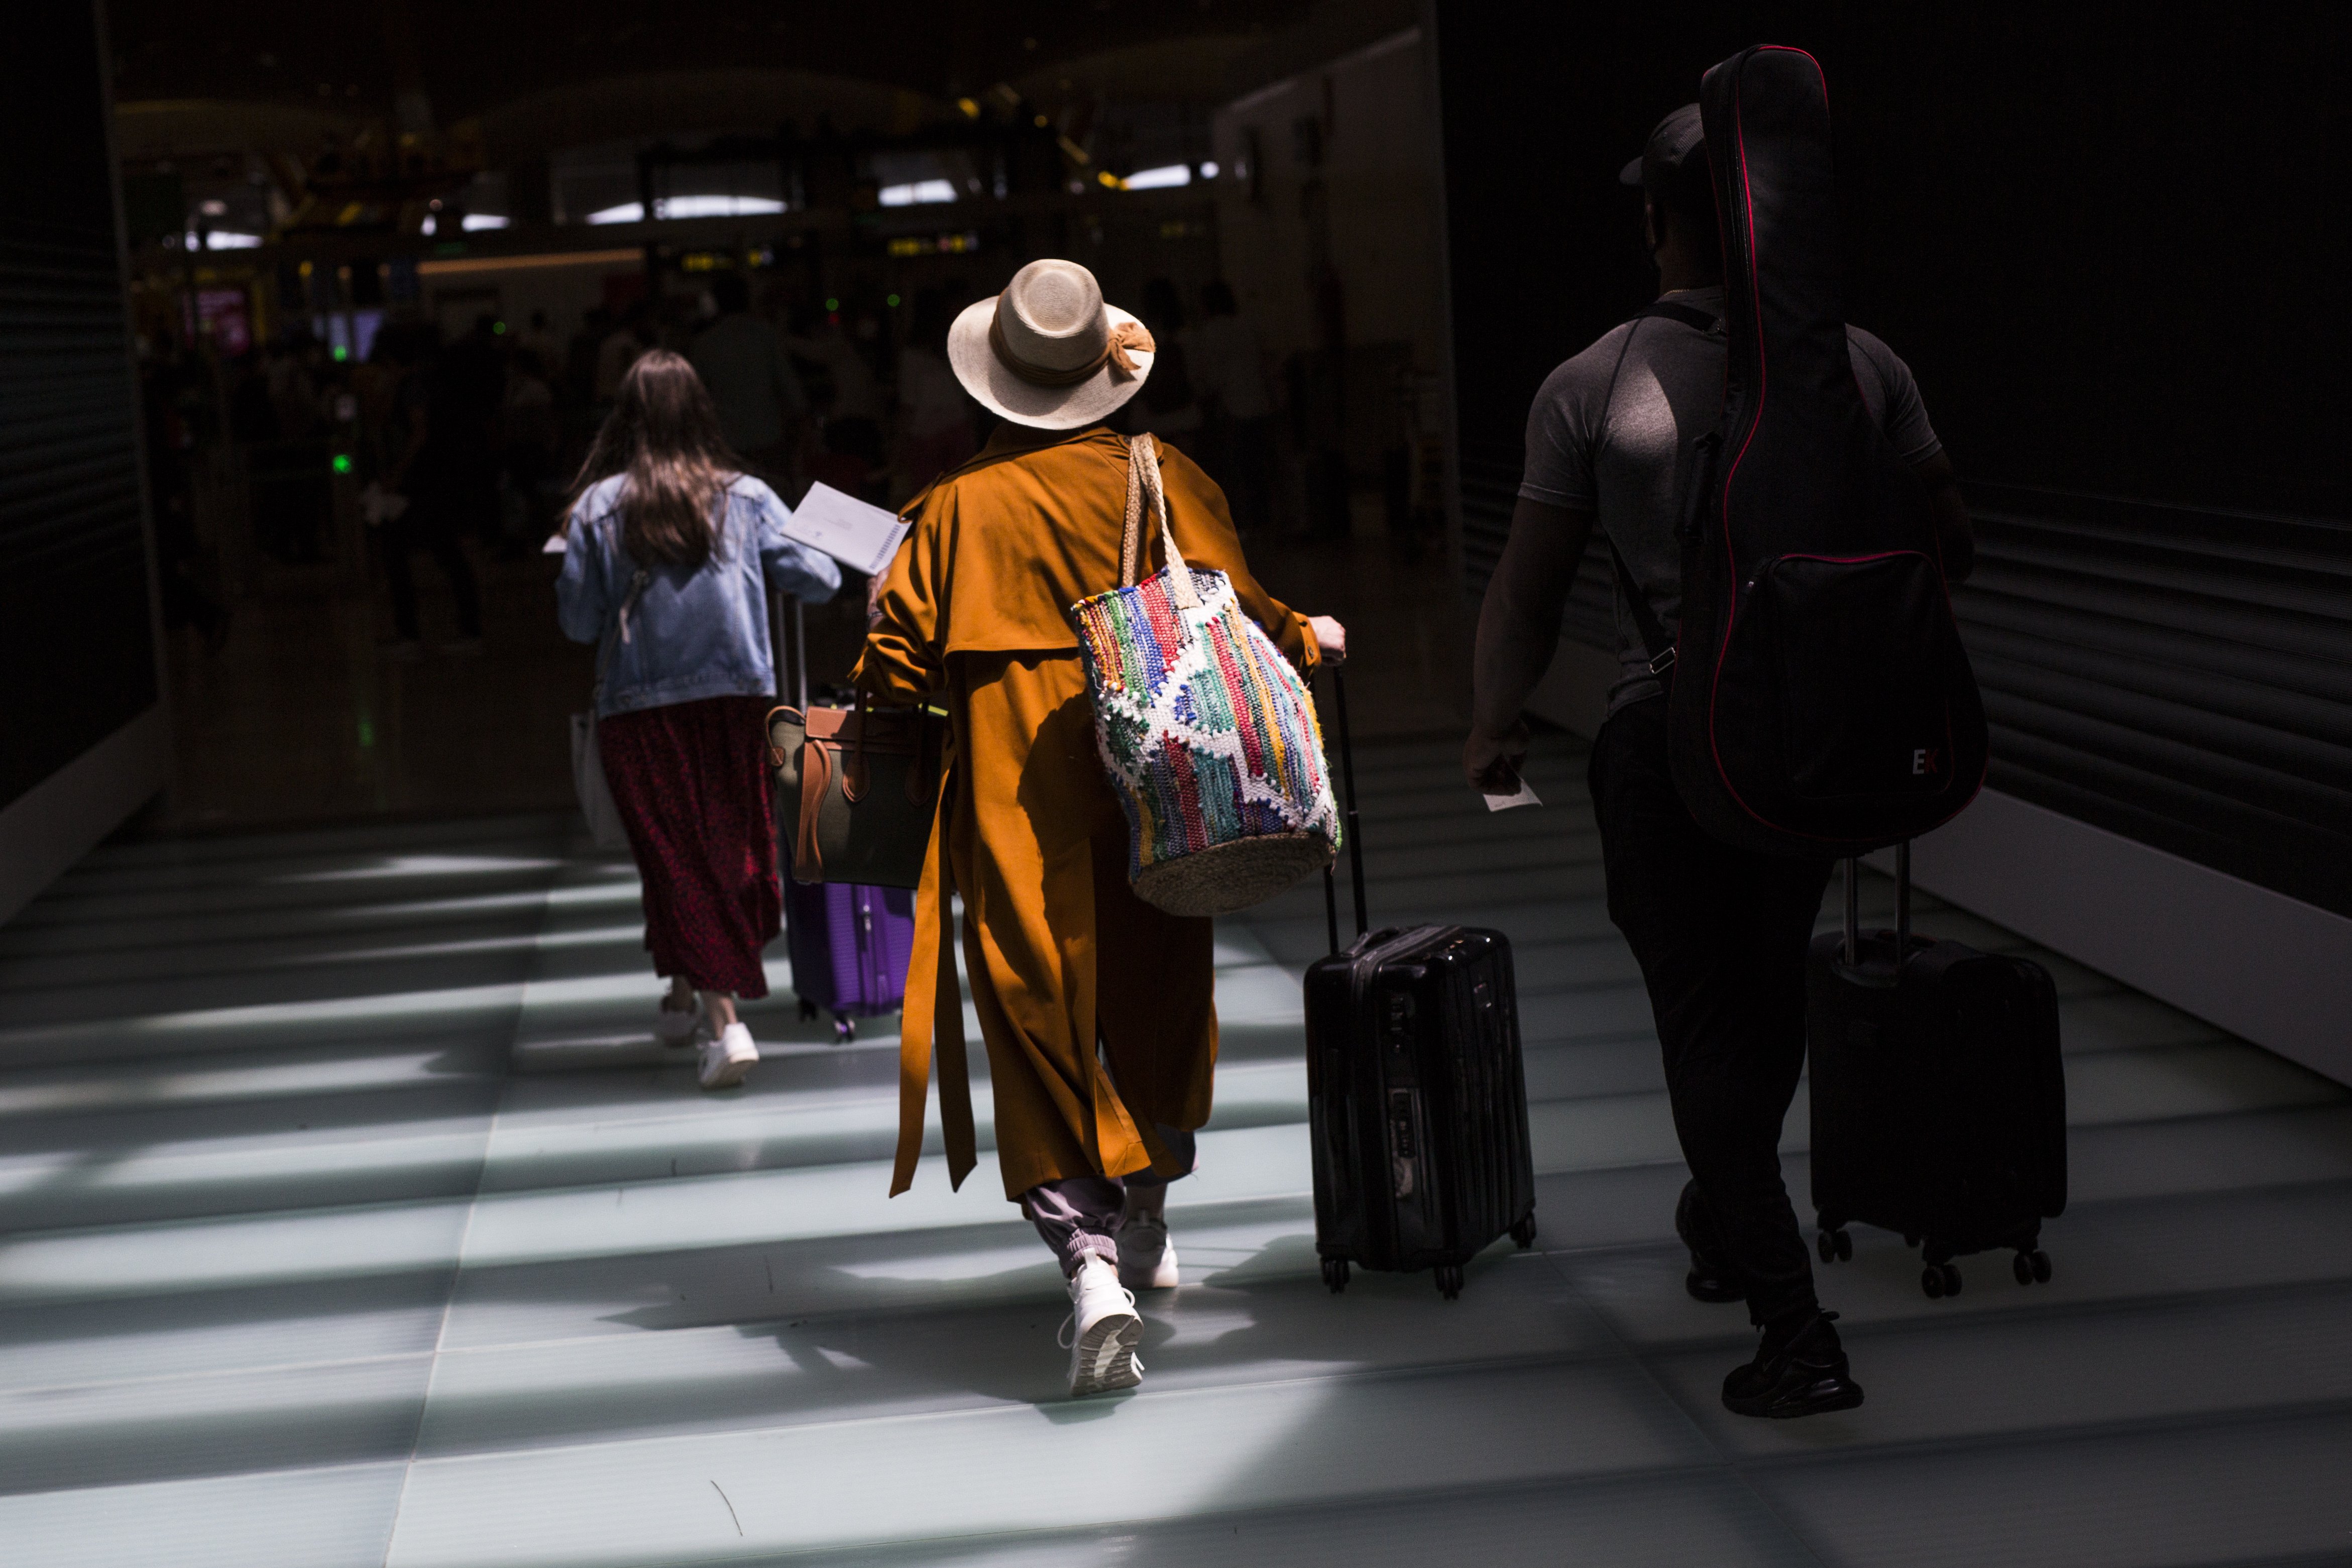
849, 947
848, 944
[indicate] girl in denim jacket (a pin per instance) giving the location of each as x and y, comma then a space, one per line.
670, 554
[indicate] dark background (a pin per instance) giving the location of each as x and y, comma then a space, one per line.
73, 561
2108, 241
2110, 244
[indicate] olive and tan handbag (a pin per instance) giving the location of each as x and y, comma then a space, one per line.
867, 784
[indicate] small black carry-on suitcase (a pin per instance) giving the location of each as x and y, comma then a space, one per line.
1939, 1094
1415, 1094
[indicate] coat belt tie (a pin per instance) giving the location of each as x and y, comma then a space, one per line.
934, 1015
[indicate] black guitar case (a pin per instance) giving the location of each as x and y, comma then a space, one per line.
1822, 702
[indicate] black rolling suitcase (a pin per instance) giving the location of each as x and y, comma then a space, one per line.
1416, 1098
1939, 1094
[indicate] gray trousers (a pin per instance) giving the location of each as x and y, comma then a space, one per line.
1078, 1216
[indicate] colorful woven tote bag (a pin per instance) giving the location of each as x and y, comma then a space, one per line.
1208, 732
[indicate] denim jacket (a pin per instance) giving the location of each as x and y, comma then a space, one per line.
690, 633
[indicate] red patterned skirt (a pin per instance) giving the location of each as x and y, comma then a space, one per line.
691, 782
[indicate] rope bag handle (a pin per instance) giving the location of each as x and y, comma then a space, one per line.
1142, 482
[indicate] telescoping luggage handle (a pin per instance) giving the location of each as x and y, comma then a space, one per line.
777, 603
1353, 833
1902, 905
787, 812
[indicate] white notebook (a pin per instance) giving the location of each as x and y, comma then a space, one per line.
852, 531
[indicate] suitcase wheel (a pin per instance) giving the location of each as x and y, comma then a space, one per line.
1335, 1274
1834, 1246
2032, 1267
1524, 1233
844, 1029
808, 1012
1940, 1279
1449, 1280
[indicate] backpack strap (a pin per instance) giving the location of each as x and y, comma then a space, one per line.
1690, 316
1652, 631
620, 634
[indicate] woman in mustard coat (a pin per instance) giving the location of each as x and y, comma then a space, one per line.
1097, 1011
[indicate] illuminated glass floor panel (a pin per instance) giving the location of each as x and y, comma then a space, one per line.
348, 1214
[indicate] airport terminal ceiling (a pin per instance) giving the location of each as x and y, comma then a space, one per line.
470, 59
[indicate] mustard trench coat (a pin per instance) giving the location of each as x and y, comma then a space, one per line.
974, 616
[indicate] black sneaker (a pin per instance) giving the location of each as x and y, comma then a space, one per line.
1803, 1375
1710, 1279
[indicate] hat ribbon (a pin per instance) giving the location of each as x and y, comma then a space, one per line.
1125, 336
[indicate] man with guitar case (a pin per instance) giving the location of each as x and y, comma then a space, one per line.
1765, 478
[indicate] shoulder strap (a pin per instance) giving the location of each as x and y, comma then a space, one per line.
1690, 316
1652, 631
1144, 492
1130, 537
620, 633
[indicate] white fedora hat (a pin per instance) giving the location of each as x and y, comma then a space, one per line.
1048, 352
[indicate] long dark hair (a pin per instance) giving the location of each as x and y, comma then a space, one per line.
664, 434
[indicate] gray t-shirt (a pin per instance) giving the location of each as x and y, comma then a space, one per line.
1669, 394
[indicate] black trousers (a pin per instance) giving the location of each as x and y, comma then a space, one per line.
1720, 935
437, 534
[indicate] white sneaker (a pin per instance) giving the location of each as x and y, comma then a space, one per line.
725, 1060
1147, 1257
677, 1027
1101, 1331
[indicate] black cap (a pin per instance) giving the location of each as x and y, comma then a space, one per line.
1671, 145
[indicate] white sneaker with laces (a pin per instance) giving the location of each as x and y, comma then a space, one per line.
677, 1027
1147, 1257
1101, 1331
725, 1060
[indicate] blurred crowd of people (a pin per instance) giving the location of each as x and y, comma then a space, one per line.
461, 447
